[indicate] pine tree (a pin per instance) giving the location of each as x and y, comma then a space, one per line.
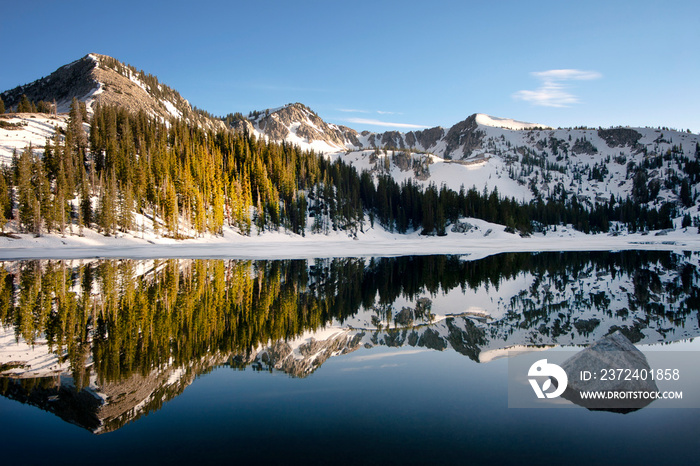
5, 200
25, 190
170, 211
2, 106
60, 199
126, 207
85, 217
42, 192
24, 105
76, 139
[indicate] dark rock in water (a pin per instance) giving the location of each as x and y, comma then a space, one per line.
615, 367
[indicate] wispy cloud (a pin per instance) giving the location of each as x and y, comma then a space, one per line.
554, 89
352, 110
357, 110
370, 121
284, 88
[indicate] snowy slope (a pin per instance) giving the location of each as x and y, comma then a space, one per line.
506, 123
27, 129
100, 78
523, 160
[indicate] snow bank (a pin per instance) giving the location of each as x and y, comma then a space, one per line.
482, 240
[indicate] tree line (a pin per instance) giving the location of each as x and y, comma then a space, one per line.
179, 311
135, 172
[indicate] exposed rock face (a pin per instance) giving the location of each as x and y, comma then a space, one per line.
392, 139
402, 160
614, 351
300, 120
351, 135
73, 80
243, 126
466, 135
620, 137
99, 78
584, 146
429, 137
462, 227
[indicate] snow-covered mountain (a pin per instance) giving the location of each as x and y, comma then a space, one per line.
521, 160
574, 303
299, 125
100, 78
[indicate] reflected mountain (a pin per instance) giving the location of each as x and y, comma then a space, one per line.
101, 343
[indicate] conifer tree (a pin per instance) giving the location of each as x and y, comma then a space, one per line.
24, 105
2, 106
126, 207
25, 191
61, 196
5, 200
170, 210
85, 217
76, 139
44, 215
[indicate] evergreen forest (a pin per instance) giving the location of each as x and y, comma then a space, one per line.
118, 171
130, 316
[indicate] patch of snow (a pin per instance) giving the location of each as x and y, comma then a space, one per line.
171, 109
507, 123
35, 130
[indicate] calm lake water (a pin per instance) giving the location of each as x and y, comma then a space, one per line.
366, 360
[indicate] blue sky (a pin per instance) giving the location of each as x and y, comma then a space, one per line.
387, 65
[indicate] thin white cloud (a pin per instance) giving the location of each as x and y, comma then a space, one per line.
357, 110
559, 75
554, 90
369, 121
352, 110
285, 88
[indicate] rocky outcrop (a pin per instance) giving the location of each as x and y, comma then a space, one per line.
466, 135
620, 137
393, 139
611, 353
76, 79
101, 79
302, 122
584, 146
428, 138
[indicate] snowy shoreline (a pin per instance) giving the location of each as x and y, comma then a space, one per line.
484, 240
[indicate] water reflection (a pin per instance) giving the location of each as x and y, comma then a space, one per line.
103, 342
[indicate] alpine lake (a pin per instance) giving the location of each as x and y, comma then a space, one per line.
372, 360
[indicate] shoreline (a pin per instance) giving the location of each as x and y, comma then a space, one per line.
372, 243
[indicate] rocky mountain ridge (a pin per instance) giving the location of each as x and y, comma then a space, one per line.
522, 160
102, 79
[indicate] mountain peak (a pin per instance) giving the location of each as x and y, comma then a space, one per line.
97, 78
298, 124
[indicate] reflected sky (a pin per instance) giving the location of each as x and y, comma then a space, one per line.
377, 369
424, 406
